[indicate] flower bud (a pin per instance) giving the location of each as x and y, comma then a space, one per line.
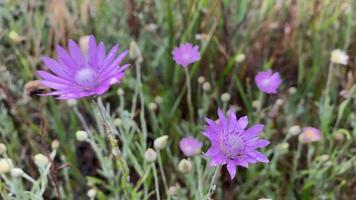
16, 172
41, 160
225, 97
292, 90
185, 166
158, 99
161, 142
117, 122
5, 165
152, 106
338, 56
2, 148
150, 155
71, 102
294, 130
15, 37
256, 103
206, 86
201, 79
120, 92
91, 193
81, 136
240, 58
55, 144
135, 52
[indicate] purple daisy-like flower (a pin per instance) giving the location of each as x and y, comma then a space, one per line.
268, 82
186, 54
75, 75
190, 146
232, 144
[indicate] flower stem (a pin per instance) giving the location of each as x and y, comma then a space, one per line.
212, 183
156, 180
189, 95
162, 172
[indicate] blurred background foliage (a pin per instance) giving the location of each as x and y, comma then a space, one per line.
293, 37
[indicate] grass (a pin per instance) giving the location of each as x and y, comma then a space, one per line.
294, 38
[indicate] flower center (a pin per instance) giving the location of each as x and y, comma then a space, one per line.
266, 82
186, 56
231, 145
86, 77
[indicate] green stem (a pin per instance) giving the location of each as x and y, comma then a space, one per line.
156, 180
189, 95
212, 183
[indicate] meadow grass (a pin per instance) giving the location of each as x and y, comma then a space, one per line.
237, 39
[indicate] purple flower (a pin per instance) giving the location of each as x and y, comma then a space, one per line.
309, 135
190, 146
75, 75
268, 82
232, 144
186, 54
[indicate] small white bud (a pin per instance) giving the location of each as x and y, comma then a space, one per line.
294, 130
292, 90
150, 155
264, 199
173, 190
206, 86
158, 99
324, 157
161, 142
279, 102
81, 136
256, 103
91, 193
15, 37
5, 165
185, 166
135, 52
240, 58
16, 172
225, 97
120, 92
55, 144
339, 136
41, 160
117, 122
201, 79
2, 148
84, 43
338, 56
152, 106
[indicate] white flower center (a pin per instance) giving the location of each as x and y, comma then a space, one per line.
231, 145
86, 77
186, 56
266, 82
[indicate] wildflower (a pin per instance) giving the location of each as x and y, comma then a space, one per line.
232, 144
5, 165
206, 86
16, 172
190, 146
41, 160
91, 193
81, 136
152, 106
338, 56
150, 155
294, 130
76, 75
161, 142
185, 166
268, 82
309, 134
186, 54
2, 148
201, 79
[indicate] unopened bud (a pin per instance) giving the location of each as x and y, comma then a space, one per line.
185, 166
206, 86
161, 142
16, 172
150, 155
225, 97
41, 160
2, 148
81, 136
5, 165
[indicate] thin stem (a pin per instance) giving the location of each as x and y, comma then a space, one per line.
212, 183
328, 82
189, 95
156, 180
162, 172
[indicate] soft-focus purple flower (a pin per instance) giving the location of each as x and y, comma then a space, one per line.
232, 144
268, 82
309, 134
186, 54
76, 75
190, 146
